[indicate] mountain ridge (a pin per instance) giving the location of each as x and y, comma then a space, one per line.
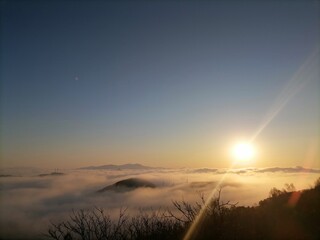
129, 166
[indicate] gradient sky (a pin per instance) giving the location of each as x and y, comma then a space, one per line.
171, 84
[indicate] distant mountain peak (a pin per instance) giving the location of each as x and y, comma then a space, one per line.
132, 166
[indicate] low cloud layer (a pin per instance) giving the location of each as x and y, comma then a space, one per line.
29, 203
297, 169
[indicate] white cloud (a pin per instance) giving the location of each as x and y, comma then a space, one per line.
29, 203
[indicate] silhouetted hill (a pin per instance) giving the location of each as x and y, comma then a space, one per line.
128, 184
291, 215
130, 166
51, 174
284, 215
6, 175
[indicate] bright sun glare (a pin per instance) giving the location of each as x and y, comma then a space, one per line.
243, 151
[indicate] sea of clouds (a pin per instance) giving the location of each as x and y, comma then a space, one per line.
29, 202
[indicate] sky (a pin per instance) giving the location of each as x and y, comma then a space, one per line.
161, 83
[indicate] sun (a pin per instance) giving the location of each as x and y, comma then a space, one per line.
243, 152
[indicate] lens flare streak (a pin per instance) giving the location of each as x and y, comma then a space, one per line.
294, 85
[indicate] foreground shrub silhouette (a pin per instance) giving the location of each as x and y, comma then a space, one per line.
285, 214
96, 224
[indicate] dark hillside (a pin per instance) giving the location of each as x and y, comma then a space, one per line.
128, 185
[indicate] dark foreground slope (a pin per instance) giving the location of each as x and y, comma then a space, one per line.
284, 215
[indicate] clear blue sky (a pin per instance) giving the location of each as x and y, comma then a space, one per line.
167, 83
